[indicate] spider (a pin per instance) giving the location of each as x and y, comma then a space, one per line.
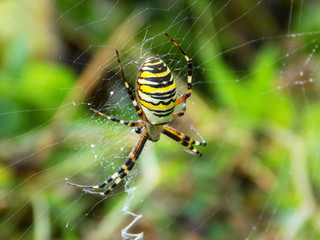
156, 100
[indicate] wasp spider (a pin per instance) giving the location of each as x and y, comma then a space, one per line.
156, 100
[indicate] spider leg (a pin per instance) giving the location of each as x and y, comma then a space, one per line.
183, 139
123, 171
127, 123
129, 90
189, 65
183, 110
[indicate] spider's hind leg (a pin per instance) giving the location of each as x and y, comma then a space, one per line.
184, 139
109, 180
123, 171
183, 109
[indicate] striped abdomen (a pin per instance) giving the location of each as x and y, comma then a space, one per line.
156, 91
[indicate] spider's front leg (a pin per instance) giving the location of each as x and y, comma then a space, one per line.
127, 123
189, 66
129, 90
123, 171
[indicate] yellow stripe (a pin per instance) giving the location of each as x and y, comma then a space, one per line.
152, 64
157, 107
148, 89
149, 74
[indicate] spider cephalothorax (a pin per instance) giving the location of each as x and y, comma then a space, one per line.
156, 100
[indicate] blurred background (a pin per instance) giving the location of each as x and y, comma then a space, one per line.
255, 101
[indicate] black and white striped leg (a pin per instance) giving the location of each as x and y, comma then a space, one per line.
129, 90
183, 139
127, 123
183, 110
123, 171
189, 65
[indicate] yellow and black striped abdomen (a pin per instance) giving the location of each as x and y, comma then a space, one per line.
156, 91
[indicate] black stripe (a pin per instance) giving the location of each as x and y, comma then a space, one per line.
160, 102
160, 85
165, 96
141, 147
130, 166
158, 78
169, 134
189, 68
164, 115
122, 176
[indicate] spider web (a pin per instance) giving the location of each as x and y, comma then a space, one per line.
255, 102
